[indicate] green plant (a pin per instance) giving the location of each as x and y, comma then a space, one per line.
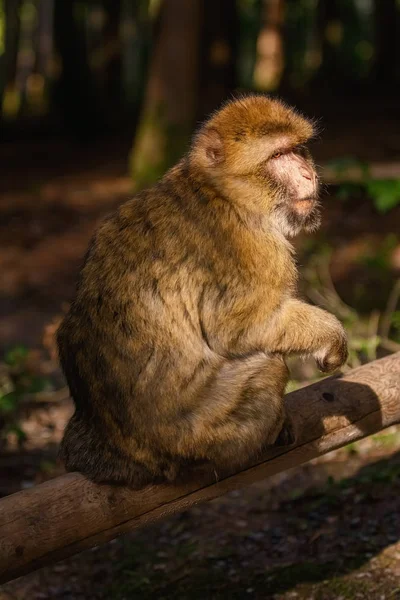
395, 322
366, 333
20, 376
385, 193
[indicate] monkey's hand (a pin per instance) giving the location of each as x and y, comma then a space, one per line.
303, 329
334, 352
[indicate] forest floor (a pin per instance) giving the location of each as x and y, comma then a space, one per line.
328, 530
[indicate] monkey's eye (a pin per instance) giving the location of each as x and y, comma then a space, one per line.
277, 155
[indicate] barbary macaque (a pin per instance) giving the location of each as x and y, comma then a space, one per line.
186, 307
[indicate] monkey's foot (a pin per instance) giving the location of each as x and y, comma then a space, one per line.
287, 435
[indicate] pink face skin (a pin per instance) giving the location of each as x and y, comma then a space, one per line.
294, 175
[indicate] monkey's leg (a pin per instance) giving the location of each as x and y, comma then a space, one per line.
239, 413
301, 328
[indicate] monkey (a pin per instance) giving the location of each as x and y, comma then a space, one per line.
186, 306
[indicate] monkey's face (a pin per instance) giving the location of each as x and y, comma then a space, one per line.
293, 190
252, 151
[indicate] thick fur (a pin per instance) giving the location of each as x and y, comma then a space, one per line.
173, 347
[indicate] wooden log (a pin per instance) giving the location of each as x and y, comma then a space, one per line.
69, 514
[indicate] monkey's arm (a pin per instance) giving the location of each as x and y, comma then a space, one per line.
300, 328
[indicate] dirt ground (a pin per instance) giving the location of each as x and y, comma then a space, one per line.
329, 530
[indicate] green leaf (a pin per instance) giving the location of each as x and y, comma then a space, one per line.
8, 402
385, 193
36, 384
16, 355
396, 319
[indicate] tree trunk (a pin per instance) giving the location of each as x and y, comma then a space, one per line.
387, 32
3, 73
74, 91
270, 60
328, 20
135, 40
8, 60
112, 49
219, 37
170, 103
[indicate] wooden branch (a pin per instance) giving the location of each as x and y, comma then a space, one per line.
68, 514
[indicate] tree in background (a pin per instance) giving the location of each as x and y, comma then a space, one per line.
387, 40
10, 33
218, 54
165, 64
269, 63
74, 91
193, 68
170, 101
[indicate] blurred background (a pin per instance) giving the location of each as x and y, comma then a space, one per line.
97, 99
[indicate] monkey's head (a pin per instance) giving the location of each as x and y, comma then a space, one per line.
252, 152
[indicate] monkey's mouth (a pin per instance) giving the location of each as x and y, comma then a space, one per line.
304, 205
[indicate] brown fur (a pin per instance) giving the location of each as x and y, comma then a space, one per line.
173, 347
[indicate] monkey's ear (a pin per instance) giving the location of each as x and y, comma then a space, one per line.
213, 146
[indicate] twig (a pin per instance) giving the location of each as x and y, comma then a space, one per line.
373, 325
326, 279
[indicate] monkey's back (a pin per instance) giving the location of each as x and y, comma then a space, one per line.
133, 346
